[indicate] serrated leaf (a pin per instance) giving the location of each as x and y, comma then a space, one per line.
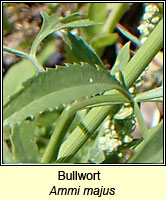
82, 50
51, 24
150, 150
55, 87
122, 59
23, 143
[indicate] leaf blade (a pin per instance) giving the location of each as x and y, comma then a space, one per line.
122, 59
156, 93
42, 92
82, 50
23, 143
150, 150
51, 24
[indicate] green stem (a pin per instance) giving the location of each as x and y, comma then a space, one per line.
36, 64
127, 34
144, 55
131, 72
33, 59
66, 118
68, 153
143, 127
18, 53
57, 137
69, 113
115, 14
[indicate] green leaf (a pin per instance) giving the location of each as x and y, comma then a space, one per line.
96, 12
127, 34
72, 17
22, 71
131, 72
23, 143
154, 94
50, 89
48, 23
150, 150
114, 16
51, 24
81, 50
12, 82
104, 40
122, 58
77, 24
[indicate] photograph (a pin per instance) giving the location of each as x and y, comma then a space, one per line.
82, 83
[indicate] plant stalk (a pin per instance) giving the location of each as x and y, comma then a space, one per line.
33, 59
67, 116
131, 72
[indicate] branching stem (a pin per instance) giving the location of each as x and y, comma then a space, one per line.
68, 114
33, 59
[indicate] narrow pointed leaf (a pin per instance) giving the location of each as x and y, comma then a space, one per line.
82, 50
72, 17
150, 150
50, 89
150, 95
122, 59
127, 34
